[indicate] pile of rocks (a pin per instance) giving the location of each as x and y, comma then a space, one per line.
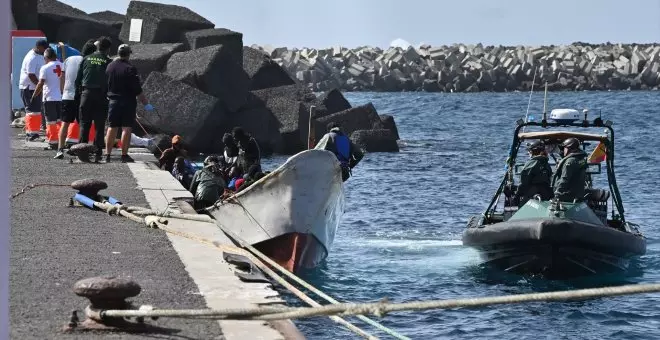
203, 81
474, 68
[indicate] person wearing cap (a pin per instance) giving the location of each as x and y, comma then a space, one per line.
535, 176
169, 155
92, 82
124, 91
49, 89
569, 180
207, 184
70, 95
348, 154
32, 63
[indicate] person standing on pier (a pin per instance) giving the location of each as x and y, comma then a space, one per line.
30, 68
92, 82
50, 84
124, 90
70, 96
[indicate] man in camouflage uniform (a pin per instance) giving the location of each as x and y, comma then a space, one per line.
535, 176
569, 180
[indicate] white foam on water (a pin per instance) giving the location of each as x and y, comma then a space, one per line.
412, 244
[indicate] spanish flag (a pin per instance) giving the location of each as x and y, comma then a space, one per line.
599, 154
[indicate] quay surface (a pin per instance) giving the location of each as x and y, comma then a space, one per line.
54, 245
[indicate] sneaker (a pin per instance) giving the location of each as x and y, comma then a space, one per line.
127, 159
59, 155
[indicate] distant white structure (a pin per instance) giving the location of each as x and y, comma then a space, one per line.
400, 43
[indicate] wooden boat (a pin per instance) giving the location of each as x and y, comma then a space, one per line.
291, 214
555, 238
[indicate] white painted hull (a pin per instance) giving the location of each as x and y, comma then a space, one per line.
303, 197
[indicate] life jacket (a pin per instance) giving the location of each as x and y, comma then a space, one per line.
343, 148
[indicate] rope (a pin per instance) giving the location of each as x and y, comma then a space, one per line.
36, 185
146, 133
382, 308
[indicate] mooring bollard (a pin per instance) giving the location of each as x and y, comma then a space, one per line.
89, 187
104, 293
82, 151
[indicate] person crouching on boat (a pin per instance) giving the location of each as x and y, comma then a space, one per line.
569, 180
348, 154
207, 184
169, 155
183, 172
536, 175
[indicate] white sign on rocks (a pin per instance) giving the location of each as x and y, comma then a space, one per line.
135, 32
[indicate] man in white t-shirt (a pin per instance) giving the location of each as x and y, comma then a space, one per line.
51, 83
70, 95
32, 63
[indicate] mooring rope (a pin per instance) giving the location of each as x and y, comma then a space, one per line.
36, 185
380, 309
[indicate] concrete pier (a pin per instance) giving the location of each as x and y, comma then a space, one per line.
54, 245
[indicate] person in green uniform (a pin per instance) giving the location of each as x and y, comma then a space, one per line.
535, 176
569, 180
207, 184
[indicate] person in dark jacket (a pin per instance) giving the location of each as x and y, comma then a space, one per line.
536, 175
207, 184
569, 180
92, 83
348, 154
183, 172
249, 153
124, 90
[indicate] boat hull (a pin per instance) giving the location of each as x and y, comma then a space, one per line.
557, 248
293, 213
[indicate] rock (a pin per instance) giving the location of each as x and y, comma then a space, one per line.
263, 71
214, 71
387, 122
161, 23
263, 125
152, 57
362, 117
111, 18
54, 14
182, 110
98, 289
76, 33
215, 36
381, 140
333, 101
25, 14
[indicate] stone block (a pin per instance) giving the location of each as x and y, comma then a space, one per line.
334, 101
262, 71
111, 18
75, 33
213, 70
25, 14
152, 57
362, 117
380, 140
161, 23
182, 110
215, 36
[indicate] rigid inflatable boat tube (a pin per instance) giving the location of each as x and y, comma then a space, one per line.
86, 201
113, 200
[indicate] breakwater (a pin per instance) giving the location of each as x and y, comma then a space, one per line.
474, 68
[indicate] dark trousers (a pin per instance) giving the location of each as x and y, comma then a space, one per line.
93, 108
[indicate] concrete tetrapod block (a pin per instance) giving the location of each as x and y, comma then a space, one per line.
387, 122
111, 18
263, 71
261, 123
213, 70
53, 14
77, 32
215, 36
25, 14
182, 110
152, 57
161, 23
380, 140
334, 101
363, 117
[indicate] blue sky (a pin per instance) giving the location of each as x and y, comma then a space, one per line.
352, 23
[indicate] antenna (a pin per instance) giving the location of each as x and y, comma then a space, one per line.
530, 99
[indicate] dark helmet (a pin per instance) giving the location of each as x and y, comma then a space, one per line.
536, 146
571, 143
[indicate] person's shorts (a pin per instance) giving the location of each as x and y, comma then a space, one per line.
30, 105
70, 110
121, 112
93, 103
52, 111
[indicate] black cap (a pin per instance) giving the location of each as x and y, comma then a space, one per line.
571, 143
536, 146
42, 43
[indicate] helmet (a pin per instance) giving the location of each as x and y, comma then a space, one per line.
536, 146
571, 143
